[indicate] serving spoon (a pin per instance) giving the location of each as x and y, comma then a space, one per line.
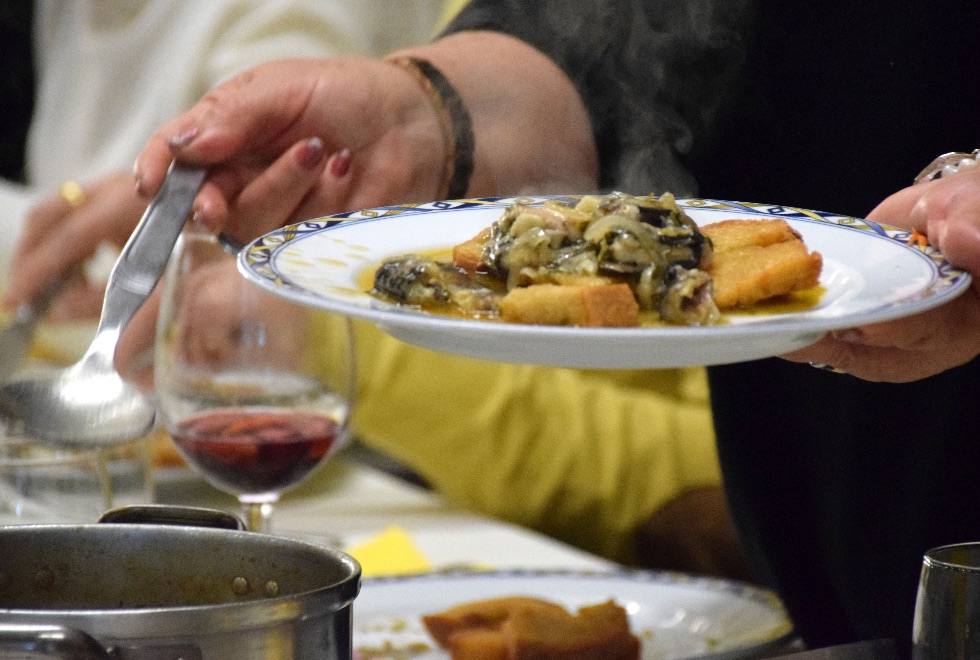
89, 403
16, 338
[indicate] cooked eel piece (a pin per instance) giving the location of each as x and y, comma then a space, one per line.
677, 241
528, 239
688, 298
417, 280
615, 234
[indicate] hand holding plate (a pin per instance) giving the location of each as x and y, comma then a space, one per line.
947, 213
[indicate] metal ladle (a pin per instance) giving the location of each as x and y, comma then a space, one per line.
88, 403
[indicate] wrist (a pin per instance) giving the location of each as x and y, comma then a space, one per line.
454, 123
532, 130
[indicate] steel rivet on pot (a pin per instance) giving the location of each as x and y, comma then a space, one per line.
271, 588
240, 586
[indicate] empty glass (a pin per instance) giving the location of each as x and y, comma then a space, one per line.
947, 608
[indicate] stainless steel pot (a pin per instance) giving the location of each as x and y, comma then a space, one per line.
165, 591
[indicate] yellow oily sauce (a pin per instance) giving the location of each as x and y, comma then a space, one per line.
798, 301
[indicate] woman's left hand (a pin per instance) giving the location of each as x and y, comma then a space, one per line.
947, 212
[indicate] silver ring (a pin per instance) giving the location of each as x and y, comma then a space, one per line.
947, 164
826, 367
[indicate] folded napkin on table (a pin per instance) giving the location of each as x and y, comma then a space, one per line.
392, 552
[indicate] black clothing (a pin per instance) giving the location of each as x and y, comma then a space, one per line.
843, 103
16, 85
633, 62
838, 486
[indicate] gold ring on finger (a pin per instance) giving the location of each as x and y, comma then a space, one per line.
72, 193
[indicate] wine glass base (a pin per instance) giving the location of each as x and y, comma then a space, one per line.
258, 515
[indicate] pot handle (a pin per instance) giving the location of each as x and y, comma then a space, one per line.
44, 641
165, 514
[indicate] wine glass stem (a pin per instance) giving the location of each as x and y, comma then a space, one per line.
258, 516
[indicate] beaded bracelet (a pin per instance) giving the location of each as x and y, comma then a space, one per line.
947, 164
454, 120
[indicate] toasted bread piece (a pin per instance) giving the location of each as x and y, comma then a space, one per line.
487, 614
602, 305
478, 644
735, 234
596, 632
752, 274
753, 260
522, 628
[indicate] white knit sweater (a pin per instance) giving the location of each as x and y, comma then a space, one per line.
111, 71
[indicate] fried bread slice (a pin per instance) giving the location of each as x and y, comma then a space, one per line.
754, 260
730, 235
595, 632
600, 305
526, 628
484, 614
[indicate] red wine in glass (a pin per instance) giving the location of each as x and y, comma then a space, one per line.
253, 451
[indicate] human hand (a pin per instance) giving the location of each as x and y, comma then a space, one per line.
947, 212
59, 236
291, 140
222, 309
266, 134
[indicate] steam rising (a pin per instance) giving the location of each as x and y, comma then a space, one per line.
653, 74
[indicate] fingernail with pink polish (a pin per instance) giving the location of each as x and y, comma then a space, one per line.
310, 154
339, 163
182, 139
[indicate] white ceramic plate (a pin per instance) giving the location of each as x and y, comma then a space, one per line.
675, 615
870, 273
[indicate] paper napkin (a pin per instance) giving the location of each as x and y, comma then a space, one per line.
392, 552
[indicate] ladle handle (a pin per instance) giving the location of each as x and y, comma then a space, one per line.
48, 641
145, 255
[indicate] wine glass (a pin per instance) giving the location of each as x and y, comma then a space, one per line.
947, 607
254, 389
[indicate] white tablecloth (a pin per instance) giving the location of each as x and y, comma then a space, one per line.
347, 503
